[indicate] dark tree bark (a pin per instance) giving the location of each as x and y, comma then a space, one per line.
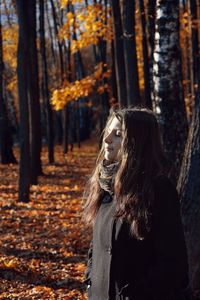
49, 113
189, 189
147, 85
119, 53
34, 97
151, 27
130, 54
113, 74
167, 81
103, 59
22, 74
59, 44
51, 35
151, 8
6, 152
66, 111
194, 37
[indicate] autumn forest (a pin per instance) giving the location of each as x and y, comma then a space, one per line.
64, 66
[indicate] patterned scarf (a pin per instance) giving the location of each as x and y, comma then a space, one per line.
107, 175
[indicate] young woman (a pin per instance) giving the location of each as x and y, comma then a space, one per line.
138, 249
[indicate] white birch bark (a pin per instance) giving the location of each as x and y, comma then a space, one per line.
168, 98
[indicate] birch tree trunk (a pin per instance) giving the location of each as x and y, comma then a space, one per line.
168, 94
189, 189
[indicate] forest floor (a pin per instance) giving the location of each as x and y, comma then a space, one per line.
44, 243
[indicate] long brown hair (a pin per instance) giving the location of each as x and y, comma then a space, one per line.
142, 160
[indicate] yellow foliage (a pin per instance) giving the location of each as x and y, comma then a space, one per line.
63, 3
10, 42
91, 24
80, 88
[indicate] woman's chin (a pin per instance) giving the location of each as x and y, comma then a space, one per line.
109, 157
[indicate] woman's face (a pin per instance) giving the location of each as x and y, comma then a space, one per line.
113, 140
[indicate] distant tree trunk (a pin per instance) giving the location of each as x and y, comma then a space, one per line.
51, 35
119, 53
34, 97
167, 81
189, 189
113, 74
151, 7
49, 113
6, 152
79, 72
187, 66
22, 74
151, 27
130, 54
103, 59
66, 111
147, 81
59, 44
194, 37
65, 128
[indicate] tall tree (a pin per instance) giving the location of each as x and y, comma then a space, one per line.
58, 42
34, 97
147, 81
130, 54
22, 74
6, 152
49, 113
189, 189
167, 80
119, 53
194, 36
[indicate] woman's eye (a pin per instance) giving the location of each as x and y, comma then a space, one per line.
118, 133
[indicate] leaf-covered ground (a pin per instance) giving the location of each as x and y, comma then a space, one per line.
43, 244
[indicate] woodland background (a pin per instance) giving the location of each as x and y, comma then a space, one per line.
63, 66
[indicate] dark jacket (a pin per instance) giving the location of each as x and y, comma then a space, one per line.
122, 267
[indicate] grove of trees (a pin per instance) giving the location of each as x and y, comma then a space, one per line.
64, 64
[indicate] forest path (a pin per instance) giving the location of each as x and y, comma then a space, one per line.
43, 243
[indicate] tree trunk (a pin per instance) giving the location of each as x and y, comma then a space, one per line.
59, 44
151, 7
103, 59
194, 37
66, 111
130, 54
51, 35
147, 85
119, 53
22, 74
34, 97
49, 113
189, 189
6, 152
167, 81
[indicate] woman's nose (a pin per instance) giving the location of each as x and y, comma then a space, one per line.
108, 138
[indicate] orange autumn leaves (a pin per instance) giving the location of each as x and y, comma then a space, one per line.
81, 88
91, 24
44, 243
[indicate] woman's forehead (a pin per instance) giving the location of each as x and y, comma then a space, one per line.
115, 124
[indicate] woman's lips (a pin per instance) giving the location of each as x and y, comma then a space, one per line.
108, 149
